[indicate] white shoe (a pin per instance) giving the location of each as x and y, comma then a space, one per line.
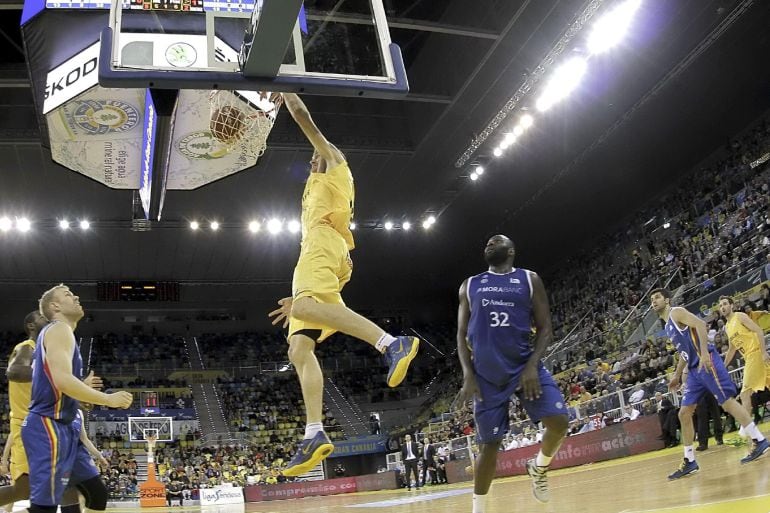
539, 481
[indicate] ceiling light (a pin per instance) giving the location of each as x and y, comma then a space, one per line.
214, 226
497, 152
254, 226
504, 145
388, 225
609, 30
406, 225
23, 224
194, 225
274, 226
294, 226
666, 225
518, 130
430, 221
526, 121
84, 224
353, 226
5, 224
474, 176
479, 171
64, 224
564, 80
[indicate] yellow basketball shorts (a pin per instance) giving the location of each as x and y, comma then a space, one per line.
19, 464
323, 269
756, 373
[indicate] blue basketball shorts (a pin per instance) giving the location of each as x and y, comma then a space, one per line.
491, 413
716, 382
56, 458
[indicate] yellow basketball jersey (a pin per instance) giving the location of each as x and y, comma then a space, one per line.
741, 337
20, 394
328, 201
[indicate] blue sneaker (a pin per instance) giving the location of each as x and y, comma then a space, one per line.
760, 448
685, 469
398, 356
309, 454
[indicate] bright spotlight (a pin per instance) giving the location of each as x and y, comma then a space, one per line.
509, 138
64, 224
353, 226
609, 30
518, 130
526, 121
5, 224
194, 225
564, 80
388, 225
505, 144
479, 170
430, 221
497, 152
274, 226
214, 225
294, 226
23, 224
84, 224
666, 225
406, 225
254, 226
474, 176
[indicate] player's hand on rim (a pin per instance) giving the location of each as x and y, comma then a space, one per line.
530, 382
283, 312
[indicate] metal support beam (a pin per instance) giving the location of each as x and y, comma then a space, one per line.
406, 24
267, 44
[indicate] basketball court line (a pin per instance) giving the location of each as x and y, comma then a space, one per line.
411, 499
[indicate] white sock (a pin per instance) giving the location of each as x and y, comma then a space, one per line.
384, 342
542, 460
689, 453
753, 431
312, 429
479, 503
742, 432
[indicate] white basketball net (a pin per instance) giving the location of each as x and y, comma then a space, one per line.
236, 124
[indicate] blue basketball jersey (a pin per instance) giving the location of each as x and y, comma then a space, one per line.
47, 400
686, 342
500, 325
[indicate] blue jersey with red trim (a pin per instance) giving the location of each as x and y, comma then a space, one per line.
47, 400
686, 342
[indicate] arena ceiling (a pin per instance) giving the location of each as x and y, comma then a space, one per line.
687, 77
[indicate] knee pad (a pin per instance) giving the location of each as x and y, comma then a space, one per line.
95, 493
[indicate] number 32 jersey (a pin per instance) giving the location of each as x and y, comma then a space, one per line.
500, 324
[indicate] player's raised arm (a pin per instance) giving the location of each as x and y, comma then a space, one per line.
301, 115
59, 348
20, 365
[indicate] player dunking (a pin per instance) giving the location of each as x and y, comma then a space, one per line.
706, 374
316, 310
498, 309
19, 374
51, 431
746, 336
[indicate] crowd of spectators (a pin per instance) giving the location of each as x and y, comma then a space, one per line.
112, 354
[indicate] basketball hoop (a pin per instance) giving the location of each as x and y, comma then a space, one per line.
234, 123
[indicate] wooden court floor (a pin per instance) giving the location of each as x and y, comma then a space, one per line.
634, 484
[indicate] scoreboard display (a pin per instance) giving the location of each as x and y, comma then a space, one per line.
168, 5
158, 5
